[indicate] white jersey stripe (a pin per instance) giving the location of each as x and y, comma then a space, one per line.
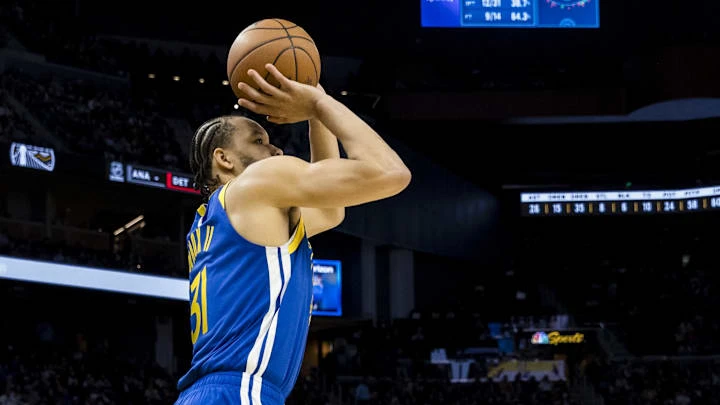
286, 264
251, 368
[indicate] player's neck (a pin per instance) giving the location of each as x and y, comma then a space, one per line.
226, 178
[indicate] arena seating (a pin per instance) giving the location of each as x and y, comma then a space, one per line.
628, 276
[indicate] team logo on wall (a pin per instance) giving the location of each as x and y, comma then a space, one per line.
33, 157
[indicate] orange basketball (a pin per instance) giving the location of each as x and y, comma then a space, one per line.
280, 42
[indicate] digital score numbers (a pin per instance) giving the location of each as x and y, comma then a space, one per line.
620, 202
499, 12
510, 13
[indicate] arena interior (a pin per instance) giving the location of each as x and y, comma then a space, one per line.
555, 245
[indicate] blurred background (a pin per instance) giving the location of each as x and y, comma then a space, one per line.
555, 246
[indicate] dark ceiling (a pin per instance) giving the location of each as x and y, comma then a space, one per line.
494, 155
371, 27
386, 35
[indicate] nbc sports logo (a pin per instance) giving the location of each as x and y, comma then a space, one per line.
33, 157
539, 338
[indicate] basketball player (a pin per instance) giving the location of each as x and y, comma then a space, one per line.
249, 255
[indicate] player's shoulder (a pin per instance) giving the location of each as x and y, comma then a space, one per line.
265, 179
272, 170
271, 164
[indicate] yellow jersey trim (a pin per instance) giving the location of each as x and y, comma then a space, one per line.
202, 210
221, 197
298, 237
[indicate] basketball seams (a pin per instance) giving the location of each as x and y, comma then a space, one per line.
292, 45
240, 59
315, 68
277, 58
271, 28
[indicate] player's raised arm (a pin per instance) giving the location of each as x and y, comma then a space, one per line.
372, 171
326, 184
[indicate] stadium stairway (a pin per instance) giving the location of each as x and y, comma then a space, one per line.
614, 348
548, 299
39, 128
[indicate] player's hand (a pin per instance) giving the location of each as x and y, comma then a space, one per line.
289, 103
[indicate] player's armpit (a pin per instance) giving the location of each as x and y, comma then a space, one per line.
286, 181
319, 220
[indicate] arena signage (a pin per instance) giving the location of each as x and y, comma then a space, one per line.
149, 176
32, 157
555, 338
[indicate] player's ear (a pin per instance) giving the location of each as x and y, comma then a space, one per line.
223, 159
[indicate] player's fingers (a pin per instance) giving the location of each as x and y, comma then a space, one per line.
257, 108
284, 81
253, 94
266, 87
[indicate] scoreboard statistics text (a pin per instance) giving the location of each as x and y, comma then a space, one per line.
620, 202
510, 13
151, 177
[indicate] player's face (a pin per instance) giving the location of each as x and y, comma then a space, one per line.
253, 142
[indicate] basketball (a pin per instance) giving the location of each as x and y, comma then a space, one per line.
279, 42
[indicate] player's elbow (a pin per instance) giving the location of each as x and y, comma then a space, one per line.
397, 180
406, 178
402, 178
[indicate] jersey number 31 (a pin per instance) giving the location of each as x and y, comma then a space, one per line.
198, 309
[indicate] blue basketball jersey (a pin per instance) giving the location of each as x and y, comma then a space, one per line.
250, 305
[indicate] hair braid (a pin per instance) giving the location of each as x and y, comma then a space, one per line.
212, 134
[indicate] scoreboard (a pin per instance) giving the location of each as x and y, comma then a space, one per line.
570, 14
620, 202
151, 177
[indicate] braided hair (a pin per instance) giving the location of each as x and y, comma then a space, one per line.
212, 134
